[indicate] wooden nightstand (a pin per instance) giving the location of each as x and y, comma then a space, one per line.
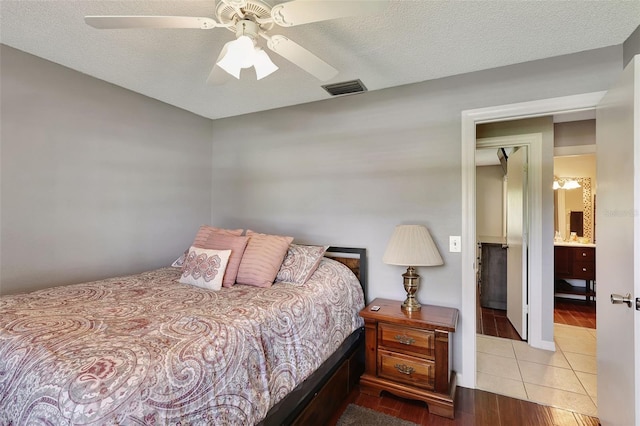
409, 354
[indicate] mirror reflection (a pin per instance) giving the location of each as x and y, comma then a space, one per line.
573, 209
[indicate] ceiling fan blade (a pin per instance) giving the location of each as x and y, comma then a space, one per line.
298, 12
122, 22
301, 57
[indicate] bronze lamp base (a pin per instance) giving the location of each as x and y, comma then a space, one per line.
411, 280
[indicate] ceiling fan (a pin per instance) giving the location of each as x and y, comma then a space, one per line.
250, 20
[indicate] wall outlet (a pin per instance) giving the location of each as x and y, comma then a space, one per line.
455, 242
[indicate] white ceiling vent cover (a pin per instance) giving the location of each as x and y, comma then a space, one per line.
345, 88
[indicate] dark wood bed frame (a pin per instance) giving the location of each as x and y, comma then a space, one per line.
315, 400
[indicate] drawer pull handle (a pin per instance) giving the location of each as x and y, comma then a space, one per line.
584, 254
405, 340
584, 269
404, 369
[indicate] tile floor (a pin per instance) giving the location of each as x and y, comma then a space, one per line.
563, 379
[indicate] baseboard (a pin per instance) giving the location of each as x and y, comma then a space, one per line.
547, 345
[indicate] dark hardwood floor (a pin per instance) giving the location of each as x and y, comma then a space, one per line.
494, 322
577, 313
473, 407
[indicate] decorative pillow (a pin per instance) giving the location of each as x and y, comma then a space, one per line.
300, 263
205, 232
179, 262
200, 241
218, 241
205, 268
262, 259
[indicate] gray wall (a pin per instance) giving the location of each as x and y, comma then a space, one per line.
574, 133
347, 170
96, 181
631, 46
489, 201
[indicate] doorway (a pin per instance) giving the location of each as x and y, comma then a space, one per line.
529, 363
564, 378
541, 336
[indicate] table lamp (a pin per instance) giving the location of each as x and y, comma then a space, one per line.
411, 245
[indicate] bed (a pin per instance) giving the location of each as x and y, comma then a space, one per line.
148, 350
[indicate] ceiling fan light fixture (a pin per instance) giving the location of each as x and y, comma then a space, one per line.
240, 54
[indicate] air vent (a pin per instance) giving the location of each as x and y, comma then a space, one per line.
345, 88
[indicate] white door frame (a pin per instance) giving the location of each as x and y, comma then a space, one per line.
470, 118
532, 214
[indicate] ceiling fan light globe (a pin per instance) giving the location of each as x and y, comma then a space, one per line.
263, 64
230, 65
246, 51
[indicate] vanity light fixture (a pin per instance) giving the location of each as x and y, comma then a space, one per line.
561, 183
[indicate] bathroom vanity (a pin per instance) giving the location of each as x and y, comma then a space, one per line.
575, 261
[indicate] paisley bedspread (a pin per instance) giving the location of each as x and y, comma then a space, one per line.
147, 350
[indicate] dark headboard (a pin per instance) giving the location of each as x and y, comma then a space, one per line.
356, 260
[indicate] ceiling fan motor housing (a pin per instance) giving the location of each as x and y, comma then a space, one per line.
247, 28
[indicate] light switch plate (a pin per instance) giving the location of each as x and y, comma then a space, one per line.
454, 243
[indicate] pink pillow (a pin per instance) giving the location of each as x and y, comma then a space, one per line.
262, 259
237, 245
300, 263
205, 231
205, 268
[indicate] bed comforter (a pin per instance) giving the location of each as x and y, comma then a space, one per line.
147, 350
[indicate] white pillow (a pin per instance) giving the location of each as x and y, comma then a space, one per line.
205, 268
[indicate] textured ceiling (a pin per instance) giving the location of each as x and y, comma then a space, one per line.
410, 41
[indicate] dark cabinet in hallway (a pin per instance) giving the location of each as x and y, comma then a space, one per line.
493, 276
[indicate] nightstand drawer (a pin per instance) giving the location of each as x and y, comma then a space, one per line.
411, 341
406, 369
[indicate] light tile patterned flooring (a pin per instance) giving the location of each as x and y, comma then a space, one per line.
565, 378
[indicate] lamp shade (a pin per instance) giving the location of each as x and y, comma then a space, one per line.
411, 245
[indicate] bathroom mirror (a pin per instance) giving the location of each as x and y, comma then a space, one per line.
574, 209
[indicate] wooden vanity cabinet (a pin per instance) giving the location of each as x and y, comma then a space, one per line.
575, 263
